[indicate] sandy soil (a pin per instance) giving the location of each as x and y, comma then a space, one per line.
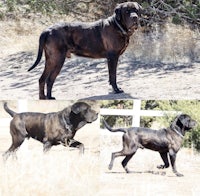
83, 78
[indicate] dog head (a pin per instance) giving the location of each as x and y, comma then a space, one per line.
127, 15
182, 123
83, 112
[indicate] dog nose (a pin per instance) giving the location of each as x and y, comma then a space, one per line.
134, 15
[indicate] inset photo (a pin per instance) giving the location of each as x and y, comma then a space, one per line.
150, 143
48, 143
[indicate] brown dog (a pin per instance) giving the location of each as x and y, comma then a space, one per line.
165, 141
107, 38
51, 128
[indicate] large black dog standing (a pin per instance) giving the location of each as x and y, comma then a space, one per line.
51, 128
106, 38
165, 141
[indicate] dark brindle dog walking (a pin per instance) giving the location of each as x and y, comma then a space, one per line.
166, 141
106, 38
51, 128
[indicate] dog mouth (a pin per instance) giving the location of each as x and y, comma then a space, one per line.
192, 124
134, 26
93, 119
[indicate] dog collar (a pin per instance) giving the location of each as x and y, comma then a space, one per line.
120, 27
178, 133
65, 123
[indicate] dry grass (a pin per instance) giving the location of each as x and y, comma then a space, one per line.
60, 172
23, 34
170, 44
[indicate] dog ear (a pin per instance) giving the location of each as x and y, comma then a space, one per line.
138, 6
118, 12
78, 107
184, 119
174, 123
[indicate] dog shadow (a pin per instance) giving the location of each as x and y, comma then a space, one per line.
111, 96
160, 173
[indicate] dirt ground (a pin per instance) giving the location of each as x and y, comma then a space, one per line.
84, 78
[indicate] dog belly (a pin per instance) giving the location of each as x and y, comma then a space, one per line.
36, 133
161, 147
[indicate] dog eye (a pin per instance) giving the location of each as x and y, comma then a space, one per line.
128, 11
135, 10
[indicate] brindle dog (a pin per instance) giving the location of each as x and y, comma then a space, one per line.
166, 141
51, 128
106, 38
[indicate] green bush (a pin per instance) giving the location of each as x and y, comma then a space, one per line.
155, 11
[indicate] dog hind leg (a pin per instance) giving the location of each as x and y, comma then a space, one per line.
53, 74
42, 81
128, 153
47, 146
17, 140
125, 161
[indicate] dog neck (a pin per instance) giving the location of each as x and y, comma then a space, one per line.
66, 124
177, 132
124, 32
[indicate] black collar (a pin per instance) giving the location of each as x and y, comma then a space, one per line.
124, 32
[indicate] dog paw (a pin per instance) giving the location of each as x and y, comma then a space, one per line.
179, 175
110, 167
127, 170
118, 90
161, 166
51, 98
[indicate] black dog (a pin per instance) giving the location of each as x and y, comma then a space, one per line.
107, 38
51, 128
165, 141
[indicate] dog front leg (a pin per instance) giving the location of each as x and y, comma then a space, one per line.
47, 146
165, 160
112, 68
76, 144
125, 161
172, 156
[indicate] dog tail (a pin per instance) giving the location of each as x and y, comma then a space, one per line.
113, 130
12, 113
42, 41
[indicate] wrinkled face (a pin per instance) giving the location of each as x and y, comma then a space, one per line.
85, 112
127, 13
186, 121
